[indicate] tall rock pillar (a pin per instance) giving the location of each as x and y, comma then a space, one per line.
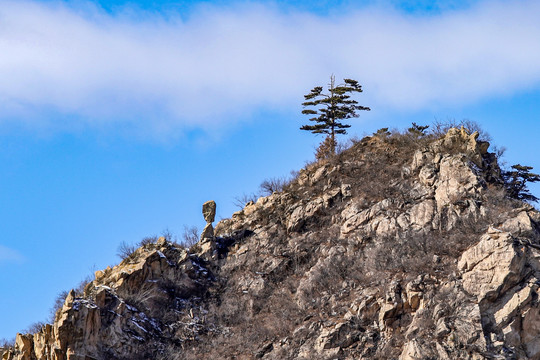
207, 241
209, 213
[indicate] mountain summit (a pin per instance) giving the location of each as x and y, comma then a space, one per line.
404, 246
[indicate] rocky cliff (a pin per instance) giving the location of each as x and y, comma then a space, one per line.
401, 247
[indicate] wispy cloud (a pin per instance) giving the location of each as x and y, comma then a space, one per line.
163, 73
9, 255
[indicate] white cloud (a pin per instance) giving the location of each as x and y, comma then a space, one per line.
9, 255
163, 73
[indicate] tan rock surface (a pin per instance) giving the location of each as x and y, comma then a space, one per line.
383, 252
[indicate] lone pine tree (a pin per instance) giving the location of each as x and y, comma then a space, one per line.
516, 182
330, 109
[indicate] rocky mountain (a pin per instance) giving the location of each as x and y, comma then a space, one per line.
401, 247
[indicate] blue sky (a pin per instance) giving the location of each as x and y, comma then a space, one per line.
118, 119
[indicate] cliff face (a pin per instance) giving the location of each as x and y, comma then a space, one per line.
398, 248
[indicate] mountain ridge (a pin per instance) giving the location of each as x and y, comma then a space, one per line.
404, 246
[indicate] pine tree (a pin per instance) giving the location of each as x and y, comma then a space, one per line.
331, 108
516, 182
417, 130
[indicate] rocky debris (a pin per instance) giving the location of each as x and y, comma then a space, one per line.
366, 256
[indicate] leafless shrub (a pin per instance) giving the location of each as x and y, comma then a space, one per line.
341, 146
58, 303
168, 235
242, 200
326, 148
138, 298
34, 328
440, 128
269, 186
149, 240
190, 236
125, 250
6, 344
61, 297
79, 290
499, 153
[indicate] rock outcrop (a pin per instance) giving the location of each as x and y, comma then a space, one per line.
398, 248
209, 213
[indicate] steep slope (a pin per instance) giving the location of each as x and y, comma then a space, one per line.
401, 247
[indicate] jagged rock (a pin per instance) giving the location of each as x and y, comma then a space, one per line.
412, 351
414, 294
422, 214
346, 190
492, 266
521, 225
456, 181
512, 303
24, 346
428, 175
208, 232
339, 336
304, 213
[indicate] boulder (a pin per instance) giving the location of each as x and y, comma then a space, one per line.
492, 266
209, 211
208, 232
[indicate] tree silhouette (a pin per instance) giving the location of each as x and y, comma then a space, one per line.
516, 182
331, 108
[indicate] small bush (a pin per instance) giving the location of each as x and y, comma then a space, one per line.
141, 299
417, 130
147, 241
7, 344
269, 186
58, 303
125, 250
190, 236
168, 235
382, 133
244, 199
34, 328
61, 298
440, 128
326, 148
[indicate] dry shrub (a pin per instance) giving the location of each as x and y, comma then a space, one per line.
326, 149
272, 185
440, 128
244, 199
7, 344
58, 304
190, 236
126, 250
34, 328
